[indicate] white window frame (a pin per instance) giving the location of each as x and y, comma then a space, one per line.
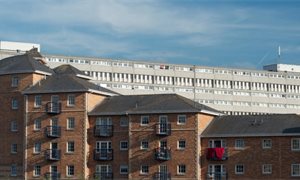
236, 169
292, 169
37, 122
239, 144
264, 144
178, 144
123, 166
14, 148
69, 144
180, 167
292, 144
144, 141
178, 119
37, 148
142, 122
142, 169
68, 171
69, 119
121, 148
37, 101
13, 170
13, 126
37, 171
267, 167
14, 81
72, 104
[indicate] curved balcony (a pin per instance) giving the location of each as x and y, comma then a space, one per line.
52, 154
53, 131
53, 108
103, 175
52, 175
163, 129
103, 130
217, 154
103, 154
162, 176
163, 154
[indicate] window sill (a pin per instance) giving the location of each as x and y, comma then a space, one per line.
36, 153
69, 153
181, 174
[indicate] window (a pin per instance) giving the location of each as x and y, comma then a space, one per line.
296, 144
181, 144
144, 120
239, 144
37, 147
14, 104
181, 119
71, 100
181, 169
14, 148
144, 144
70, 170
70, 123
13, 170
70, 147
144, 169
37, 101
239, 169
13, 126
124, 121
37, 124
267, 143
123, 169
267, 169
123, 145
37, 170
295, 170
14, 81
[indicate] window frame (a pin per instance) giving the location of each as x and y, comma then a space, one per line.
267, 166
292, 144
292, 169
236, 143
37, 150
14, 148
39, 123
123, 120
124, 166
142, 121
14, 126
178, 119
70, 100
14, 104
264, 144
13, 170
68, 170
121, 148
141, 144
178, 144
181, 167
69, 120
70, 147
15, 80
37, 168
236, 169
37, 101
142, 168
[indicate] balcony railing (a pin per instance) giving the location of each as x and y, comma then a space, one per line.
53, 154
217, 176
103, 130
163, 129
52, 176
103, 176
52, 131
162, 154
217, 154
53, 107
162, 176
103, 154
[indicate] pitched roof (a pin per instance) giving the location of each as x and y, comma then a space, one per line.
144, 104
66, 79
68, 69
254, 125
25, 63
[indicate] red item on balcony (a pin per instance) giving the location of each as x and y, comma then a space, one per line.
210, 153
219, 153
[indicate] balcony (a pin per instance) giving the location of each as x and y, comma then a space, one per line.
162, 176
53, 108
217, 176
52, 131
103, 154
52, 154
217, 154
103, 175
163, 154
52, 176
163, 129
103, 130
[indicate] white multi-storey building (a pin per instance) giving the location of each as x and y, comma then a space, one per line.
234, 91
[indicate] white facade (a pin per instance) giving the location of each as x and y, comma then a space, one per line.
282, 68
18, 46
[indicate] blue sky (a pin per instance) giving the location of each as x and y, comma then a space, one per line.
226, 33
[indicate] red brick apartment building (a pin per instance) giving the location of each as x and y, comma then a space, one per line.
251, 147
55, 124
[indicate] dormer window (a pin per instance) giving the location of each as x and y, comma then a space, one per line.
14, 81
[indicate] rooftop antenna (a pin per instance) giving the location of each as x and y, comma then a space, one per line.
279, 52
